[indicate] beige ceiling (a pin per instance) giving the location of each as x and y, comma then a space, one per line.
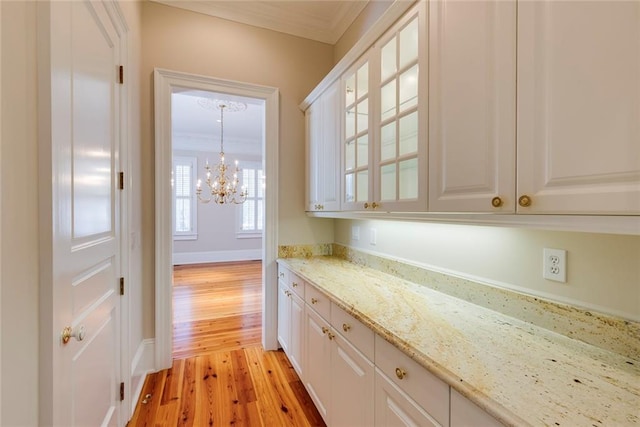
321, 20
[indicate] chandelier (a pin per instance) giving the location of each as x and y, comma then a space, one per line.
221, 188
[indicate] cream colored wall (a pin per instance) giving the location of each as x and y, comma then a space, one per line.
369, 15
194, 43
19, 222
603, 270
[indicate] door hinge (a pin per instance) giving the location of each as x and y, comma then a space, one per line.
121, 75
121, 181
122, 286
121, 392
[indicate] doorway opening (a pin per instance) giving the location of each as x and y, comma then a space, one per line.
217, 233
166, 84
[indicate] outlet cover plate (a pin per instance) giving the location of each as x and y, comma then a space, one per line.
554, 265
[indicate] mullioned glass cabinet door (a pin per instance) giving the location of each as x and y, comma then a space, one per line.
400, 157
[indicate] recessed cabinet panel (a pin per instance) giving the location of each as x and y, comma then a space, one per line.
472, 95
579, 107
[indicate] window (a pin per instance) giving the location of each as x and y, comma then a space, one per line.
252, 211
185, 209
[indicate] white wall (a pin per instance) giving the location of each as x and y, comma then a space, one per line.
19, 276
603, 271
217, 225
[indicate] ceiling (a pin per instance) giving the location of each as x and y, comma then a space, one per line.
320, 20
195, 128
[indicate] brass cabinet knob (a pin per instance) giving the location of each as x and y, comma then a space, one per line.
321, 207
331, 336
314, 300
294, 284
281, 274
400, 373
366, 205
288, 293
325, 329
346, 327
524, 201
496, 202
374, 205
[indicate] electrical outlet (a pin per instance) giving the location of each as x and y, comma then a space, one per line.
554, 265
355, 233
373, 237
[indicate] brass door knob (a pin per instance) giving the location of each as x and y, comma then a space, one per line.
524, 201
346, 327
496, 202
68, 333
400, 373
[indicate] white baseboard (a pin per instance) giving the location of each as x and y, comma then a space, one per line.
141, 365
216, 256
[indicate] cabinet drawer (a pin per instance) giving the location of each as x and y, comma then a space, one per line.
360, 336
283, 274
318, 301
428, 391
296, 284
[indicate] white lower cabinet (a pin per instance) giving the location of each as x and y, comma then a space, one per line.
465, 413
394, 407
339, 378
291, 318
406, 393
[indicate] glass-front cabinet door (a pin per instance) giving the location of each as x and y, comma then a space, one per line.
401, 122
356, 141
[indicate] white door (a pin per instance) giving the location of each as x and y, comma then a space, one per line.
85, 371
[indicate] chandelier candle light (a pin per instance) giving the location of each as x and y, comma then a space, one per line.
221, 189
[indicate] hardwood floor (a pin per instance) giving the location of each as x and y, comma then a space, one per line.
220, 374
216, 307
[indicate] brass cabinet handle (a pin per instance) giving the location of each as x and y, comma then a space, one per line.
346, 327
325, 329
331, 336
314, 300
496, 202
400, 373
294, 284
524, 201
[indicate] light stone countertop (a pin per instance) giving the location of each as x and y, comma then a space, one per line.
519, 373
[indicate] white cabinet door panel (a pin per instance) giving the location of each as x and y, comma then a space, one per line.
472, 96
579, 106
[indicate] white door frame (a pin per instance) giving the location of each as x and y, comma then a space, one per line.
164, 83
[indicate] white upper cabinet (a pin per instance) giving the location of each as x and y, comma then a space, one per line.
579, 107
384, 138
357, 188
401, 115
323, 139
472, 101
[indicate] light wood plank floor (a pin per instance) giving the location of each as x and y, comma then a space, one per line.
220, 374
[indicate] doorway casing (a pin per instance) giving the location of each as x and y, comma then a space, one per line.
165, 81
